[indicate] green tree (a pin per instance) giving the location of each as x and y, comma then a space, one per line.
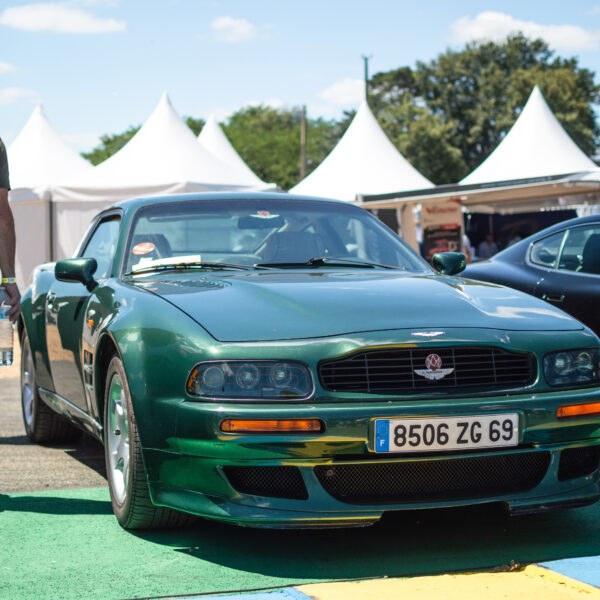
470, 98
268, 140
110, 144
195, 125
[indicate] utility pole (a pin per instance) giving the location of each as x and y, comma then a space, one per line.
303, 144
366, 61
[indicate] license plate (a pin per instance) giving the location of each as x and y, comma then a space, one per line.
433, 434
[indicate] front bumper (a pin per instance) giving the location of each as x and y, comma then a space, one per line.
192, 475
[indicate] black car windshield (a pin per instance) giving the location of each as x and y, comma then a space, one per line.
264, 232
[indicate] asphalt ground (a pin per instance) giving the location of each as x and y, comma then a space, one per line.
26, 467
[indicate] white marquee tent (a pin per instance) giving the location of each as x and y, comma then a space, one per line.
364, 161
164, 157
38, 158
536, 146
213, 139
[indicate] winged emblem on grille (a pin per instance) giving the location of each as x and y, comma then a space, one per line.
434, 370
428, 334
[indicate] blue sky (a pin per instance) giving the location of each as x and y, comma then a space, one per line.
99, 66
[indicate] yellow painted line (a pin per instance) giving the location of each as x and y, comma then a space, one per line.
529, 583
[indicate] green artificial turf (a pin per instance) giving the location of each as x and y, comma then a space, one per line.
67, 544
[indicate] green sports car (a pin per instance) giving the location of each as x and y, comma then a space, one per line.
280, 361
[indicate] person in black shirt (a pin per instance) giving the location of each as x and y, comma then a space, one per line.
7, 240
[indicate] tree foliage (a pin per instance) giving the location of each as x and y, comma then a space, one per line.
268, 140
470, 98
109, 145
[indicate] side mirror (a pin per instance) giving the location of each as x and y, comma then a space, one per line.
449, 263
80, 270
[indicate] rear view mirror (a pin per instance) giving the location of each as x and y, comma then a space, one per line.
449, 263
80, 270
261, 222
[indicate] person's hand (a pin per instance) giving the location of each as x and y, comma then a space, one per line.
14, 301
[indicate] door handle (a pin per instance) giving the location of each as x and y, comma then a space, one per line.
556, 299
50, 298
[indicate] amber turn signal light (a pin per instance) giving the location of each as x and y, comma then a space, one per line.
578, 410
272, 426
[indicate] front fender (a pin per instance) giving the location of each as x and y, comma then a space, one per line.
158, 345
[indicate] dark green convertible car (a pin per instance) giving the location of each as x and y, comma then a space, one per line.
280, 361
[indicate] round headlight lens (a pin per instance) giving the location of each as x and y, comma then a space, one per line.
213, 378
562, 363
280, 375
247, 376
584, 362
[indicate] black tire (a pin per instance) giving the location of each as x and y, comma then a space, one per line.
42, 424
129, 495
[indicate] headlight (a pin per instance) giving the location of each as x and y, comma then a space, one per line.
251, 380
572, 367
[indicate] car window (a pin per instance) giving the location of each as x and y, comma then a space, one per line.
581, 250
102, 244
256, 231
544, 252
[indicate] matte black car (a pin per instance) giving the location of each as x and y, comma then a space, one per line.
560, 264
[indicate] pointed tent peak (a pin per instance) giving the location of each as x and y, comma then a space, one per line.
163, 152
39, 156
213, 138
364, 161
536, 146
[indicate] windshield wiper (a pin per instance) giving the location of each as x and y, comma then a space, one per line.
325, 261
182, 266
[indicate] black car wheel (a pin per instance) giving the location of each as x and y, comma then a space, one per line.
127, 480
42, 424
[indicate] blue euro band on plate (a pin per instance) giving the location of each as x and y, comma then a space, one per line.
382, 435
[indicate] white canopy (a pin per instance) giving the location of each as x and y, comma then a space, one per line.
162, 153
363, 162
213, 139
40, 157
536, 146
163, 157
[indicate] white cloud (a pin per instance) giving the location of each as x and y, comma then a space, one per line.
496, 26
594, 11
5, 67
344, 92
18, 96
228, 29
57, 17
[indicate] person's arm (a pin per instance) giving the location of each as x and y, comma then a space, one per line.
7, 254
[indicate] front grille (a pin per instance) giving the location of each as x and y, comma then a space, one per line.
393, 371
431, 480
578, 462
273, 482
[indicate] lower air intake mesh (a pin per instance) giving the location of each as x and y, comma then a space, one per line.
578, 462
273, 482
424, 480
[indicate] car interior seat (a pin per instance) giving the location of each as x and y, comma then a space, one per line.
292, 246
590, 258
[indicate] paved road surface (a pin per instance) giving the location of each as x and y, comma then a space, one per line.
25, 467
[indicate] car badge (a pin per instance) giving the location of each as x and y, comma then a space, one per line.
428, 334
434, 370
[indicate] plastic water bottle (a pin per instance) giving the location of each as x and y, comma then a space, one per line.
6, 331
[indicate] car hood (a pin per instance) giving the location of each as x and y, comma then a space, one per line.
280, 305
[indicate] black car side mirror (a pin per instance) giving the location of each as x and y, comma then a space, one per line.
449, 263
79, 270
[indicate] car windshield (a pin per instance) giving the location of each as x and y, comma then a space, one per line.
269, 232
